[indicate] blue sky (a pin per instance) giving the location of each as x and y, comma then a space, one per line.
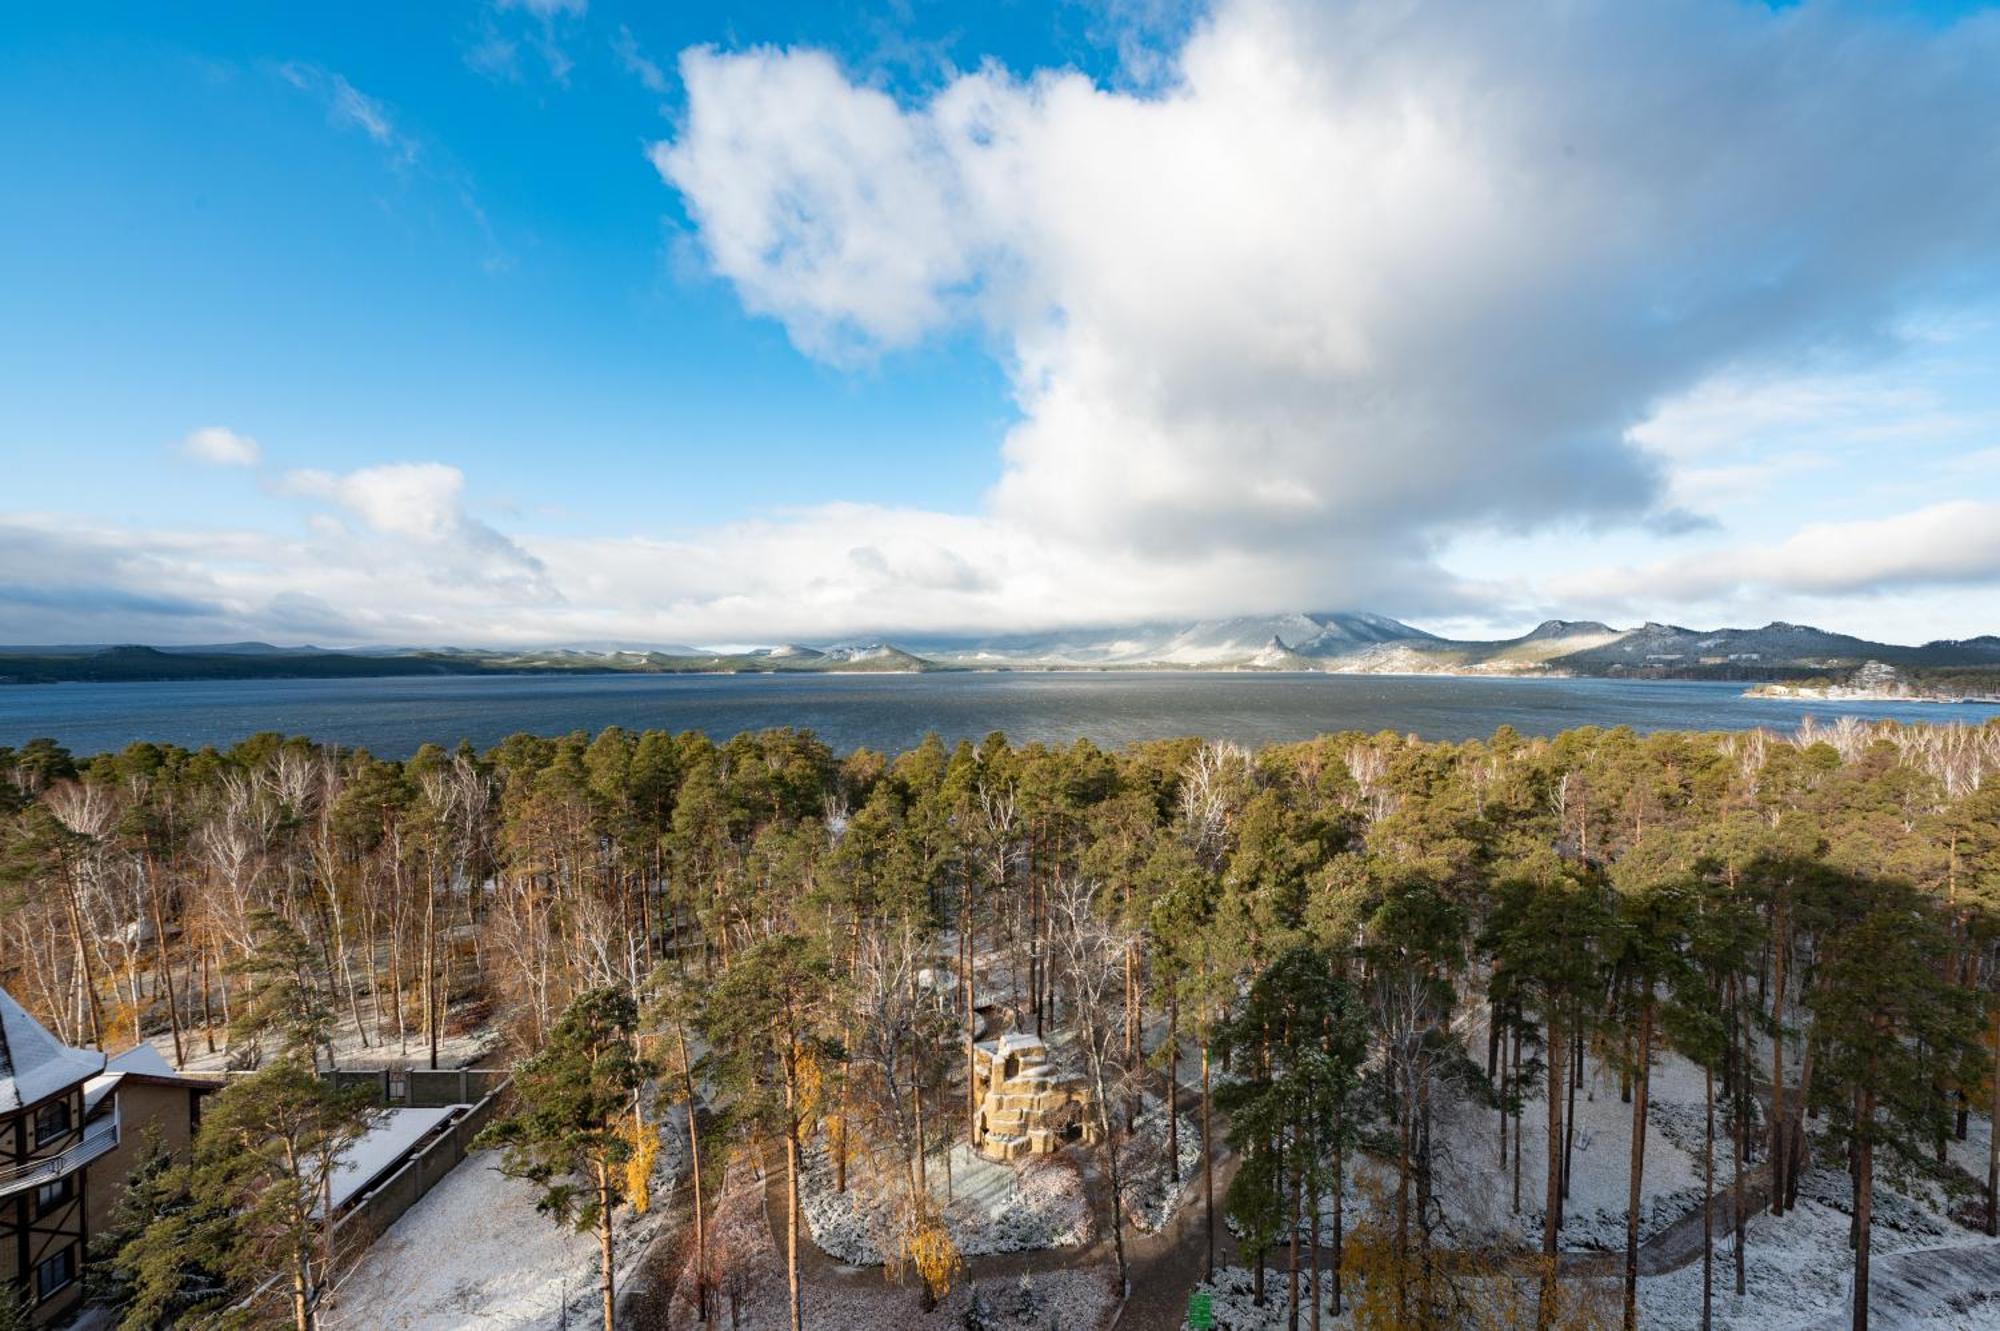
562, 321
188, 223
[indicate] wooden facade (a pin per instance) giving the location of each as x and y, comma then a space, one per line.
45, 1152
72, 1128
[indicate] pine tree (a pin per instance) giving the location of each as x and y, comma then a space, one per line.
260, 1183
1892, 1030
672, 1014
1648, 950
567, 1134
1302, 1034
1544, 934
770, 1021
13, 1308
156, 1260
287, 1001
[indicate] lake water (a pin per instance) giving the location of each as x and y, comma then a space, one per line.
393, 716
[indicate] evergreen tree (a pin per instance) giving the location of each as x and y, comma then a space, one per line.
156, 1260
287, 1001
1303, 1036
1892, 1029
260, 1192
567, 1133
771, 1023
13, 1308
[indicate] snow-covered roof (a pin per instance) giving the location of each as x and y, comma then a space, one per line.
97, 1089
385, 1145
34, 1065
141, 1058
1013, 1042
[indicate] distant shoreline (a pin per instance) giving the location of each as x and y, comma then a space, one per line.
1845, 693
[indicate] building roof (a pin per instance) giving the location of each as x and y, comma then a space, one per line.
140, 1063
34, 1065
140, 1058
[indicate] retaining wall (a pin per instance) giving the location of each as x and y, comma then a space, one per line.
384, 1204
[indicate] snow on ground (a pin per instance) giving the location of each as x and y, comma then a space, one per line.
751, 1277
475, 1252
1927, 1276
478, 1046
389, 1137
1153, 1192
1038, 1203
1233, 1307
1798, 1269
1477, 1191
1970, 1154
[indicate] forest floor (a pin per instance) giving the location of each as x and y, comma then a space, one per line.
1930, 1273
465, 1044
512, 1267
988, 1207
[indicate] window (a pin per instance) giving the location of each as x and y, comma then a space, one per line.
51, 1122
51, 1195
55, 1274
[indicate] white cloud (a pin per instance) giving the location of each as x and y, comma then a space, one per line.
349, 107
496, 52
1950, 544
221, 447
824, 202
1340, 293
420, 507
651, 77
1360, 277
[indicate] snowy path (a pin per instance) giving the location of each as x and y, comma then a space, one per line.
1932, 1288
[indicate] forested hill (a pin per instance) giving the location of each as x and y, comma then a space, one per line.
29, 665
1338, 643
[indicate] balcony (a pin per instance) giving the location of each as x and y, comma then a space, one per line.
98, 1138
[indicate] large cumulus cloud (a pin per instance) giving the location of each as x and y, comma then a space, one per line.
1361, 277
1329, 295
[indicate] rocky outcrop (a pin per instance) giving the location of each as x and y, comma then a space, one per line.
1026, 1106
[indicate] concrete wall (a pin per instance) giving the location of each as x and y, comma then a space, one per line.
381, 1207
422, 1088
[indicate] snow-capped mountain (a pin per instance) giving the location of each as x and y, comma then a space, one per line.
1209, 642
1344, 642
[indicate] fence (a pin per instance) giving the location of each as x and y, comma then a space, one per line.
421, 1088
382, 1205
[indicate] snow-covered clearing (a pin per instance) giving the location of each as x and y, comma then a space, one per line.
992, 1208
1233, 1307
1477, 1190
1798, 1277
1970, 1155
751, 1279
475, 1252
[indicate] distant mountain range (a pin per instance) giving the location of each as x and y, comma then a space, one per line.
1346, 643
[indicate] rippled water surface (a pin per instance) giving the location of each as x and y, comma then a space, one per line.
393, 716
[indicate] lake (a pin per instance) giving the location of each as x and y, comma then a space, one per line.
393, 716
